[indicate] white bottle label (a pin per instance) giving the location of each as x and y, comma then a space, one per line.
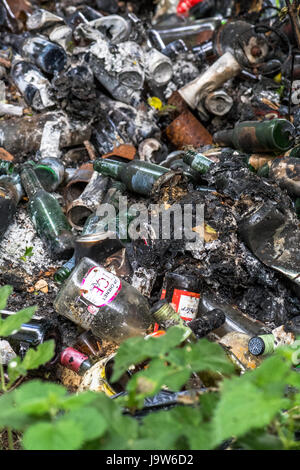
188, 307
100, 287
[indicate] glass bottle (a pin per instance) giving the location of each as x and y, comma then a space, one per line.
88, 344
50, 172
33, 85
34, 333
165, 316
100, 302
258, 136
207, 322
64, 272
98, 378
93, 224
75, 360
138, 176
236, 320
47, 216
48, 56
197, 161
183, 292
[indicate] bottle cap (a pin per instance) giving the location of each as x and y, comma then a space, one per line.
256, 346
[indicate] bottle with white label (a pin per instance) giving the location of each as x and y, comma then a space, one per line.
99, 301
182, 291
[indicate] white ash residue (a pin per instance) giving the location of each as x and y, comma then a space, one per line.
21, 235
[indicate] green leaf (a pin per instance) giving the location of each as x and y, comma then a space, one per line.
5, 292
121, 434
164, 422
34, 358
10, 414
150, 381
74, 402
208, 403
259, 440
28, 252
57, 435
39, 398
91, 422
234, 418
15, 370
136, 350
205, 355
13, 323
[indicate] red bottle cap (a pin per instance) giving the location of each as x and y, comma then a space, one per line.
184, 5
72, 359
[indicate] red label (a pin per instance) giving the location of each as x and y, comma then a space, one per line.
156, 334
185, 303
163, 294
72, 359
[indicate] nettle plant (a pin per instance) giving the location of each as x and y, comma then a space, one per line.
258, 410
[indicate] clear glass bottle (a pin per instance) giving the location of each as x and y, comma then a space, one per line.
99, 301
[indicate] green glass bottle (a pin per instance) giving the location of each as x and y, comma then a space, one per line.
258, 136
50, 172
138, 176
64, 272
165, 315
10, 195
197, 161
47, 216
94, 223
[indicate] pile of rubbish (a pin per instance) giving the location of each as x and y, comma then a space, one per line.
150, 177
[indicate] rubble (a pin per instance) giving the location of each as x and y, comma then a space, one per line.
149, 177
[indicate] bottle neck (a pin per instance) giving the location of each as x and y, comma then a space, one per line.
224, 138
164, 314
197, 161
109, 167
30, 182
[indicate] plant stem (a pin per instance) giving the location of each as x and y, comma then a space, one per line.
10, 439
3, 386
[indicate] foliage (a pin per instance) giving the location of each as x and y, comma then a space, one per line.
27, 254
258, 410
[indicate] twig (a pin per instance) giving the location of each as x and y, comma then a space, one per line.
293, 14
90, 149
